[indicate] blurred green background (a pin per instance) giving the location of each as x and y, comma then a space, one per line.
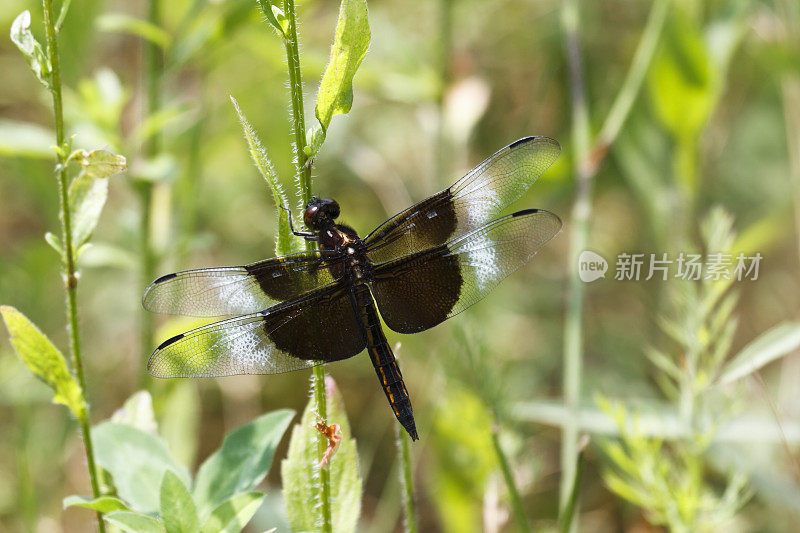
444, 85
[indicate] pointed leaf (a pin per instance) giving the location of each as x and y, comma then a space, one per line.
349, 47
21, 36
242, 461
43, 359
300, 470
133, 522
53, 240
137, 411
99, 163
275, 15
775, 343
285, 244
103, 504
87, 196
137, 461
178, 510
233, 515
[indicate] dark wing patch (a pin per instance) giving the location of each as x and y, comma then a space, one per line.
480, 196
421, 290
239, 290
319, 327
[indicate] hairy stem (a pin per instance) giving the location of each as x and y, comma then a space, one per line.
303, 170
70, 275
406, 478
508, 477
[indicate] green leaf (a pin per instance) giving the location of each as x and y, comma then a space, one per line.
53, 240
137, 411
133, 522
99, 163
774, 344
233, 515
21, 36
178, 510
275, 16
300, 470
285, 244
87, 196
43, 359
22, 139
349, 47
137, 461
122, 23
242, 461
682, 81
103, 504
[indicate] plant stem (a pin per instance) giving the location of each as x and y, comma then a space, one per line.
516, 500
406, 478
587, 158
153, 67
303, 169
71, 278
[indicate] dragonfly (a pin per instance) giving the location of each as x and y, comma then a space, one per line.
420, 267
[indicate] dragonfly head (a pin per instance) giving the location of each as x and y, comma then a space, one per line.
320, 212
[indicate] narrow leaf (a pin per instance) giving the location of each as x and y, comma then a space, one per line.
233, 515
122, 23
87, 196
242, 462
273, 12
103, 504
53, 240
178, 510
99, 163
43, 359
21, 36
300, 471
775, 343
285, 242
132, 522
137, 461
23, 139
349, 47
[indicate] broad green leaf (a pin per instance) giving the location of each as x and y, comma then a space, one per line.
349, 47
137, 461
775, 343
178, 510
242, 461
232, 515
43, 359
21, 36
682, 80
122, 23
87, 196
103, 504
286, 243
275, 16
300, 470
23, 139
99, 163
133, 522
137, 411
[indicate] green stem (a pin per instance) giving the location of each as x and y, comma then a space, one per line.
586, 160
71, 278
153, 68
303, 170
406, 478
581, 211
516, 500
